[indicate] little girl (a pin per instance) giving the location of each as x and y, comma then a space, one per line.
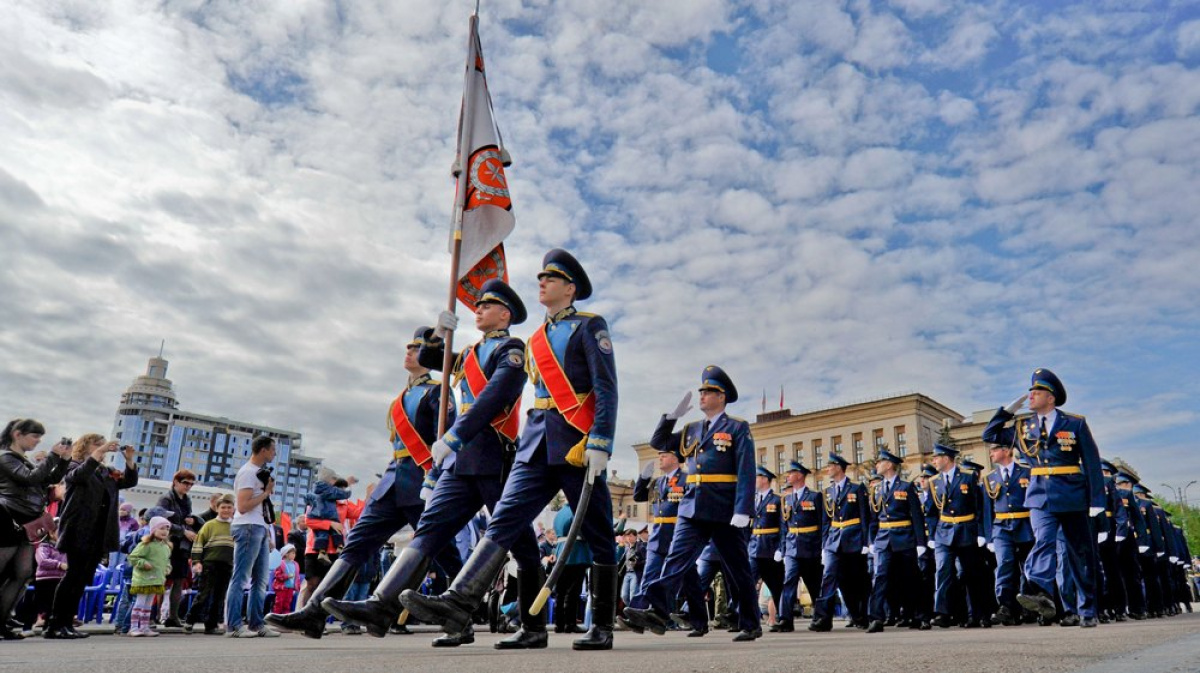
151, 560
285, 580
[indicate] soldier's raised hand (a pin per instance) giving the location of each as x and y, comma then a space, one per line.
684, 406
648, 470
1016, 404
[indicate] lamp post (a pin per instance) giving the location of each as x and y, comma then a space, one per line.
1181, 498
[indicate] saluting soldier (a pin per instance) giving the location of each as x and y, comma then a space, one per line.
474, 456
766, 536
1065, 489
1127, 538
844, 550
898, 537
805, 522
567, 440
717, 506
1010, 533
958, 538
396, 501
664, 495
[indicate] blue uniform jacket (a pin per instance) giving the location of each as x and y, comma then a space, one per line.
892, 510
805, 520
479, 449
725, 454
960, 511
664, 495
1069, 444
849, 519
1007, 499
1115, 515
1131, 523
583, 347
1153, 536
766, 537
405, 474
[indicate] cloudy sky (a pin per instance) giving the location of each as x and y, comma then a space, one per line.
846, 199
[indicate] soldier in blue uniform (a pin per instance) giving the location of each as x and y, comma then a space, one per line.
567, 440
898, 537
664, 495
1007, 529
1151, 547
725, 614
396, 501
1065, 489
1163, 559
926, 561
1112, 586
844, 548
957, 539
1126, 535
766, 536
805, 522
473, 457
717, 505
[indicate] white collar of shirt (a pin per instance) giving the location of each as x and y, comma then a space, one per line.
1050, 419
800, 493
948, 475
713, 421
837, 488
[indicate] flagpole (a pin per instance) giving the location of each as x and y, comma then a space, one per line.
466, 123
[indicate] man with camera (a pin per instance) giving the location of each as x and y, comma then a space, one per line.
251, 529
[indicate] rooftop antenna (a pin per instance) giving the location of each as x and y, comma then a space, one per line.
161, 347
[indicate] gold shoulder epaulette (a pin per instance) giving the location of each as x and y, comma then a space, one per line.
1067, 413
585, 314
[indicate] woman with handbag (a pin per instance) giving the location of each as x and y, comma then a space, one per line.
23, 488
88, 528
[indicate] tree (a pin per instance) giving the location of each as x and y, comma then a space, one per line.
1189, 519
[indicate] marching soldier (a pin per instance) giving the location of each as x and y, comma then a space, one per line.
664, 494
926, 562
1126, 538
898, 537
396, 501
958, 538
1010, 534
766, 536
1065, 489
845, 547
567, 441
717, 505
1150, 548
804, 517
1113, 593
474, 456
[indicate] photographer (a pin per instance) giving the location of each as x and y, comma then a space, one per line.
251, 530
88, 528
184, 527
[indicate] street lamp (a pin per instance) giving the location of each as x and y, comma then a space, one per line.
1181, 497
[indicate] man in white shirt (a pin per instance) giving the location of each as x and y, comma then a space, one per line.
252, 544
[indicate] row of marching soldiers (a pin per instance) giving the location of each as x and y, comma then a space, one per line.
1052, 534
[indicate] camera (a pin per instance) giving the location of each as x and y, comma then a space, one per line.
264, 475
67, 441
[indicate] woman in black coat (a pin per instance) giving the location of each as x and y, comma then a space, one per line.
88, 528
184, 527
23, 489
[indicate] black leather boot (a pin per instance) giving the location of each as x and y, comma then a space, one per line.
310, 619
464, 637
532, 634
379, 612
604, 610
453, 609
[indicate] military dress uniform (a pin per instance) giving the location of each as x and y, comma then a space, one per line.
394, 503
1127, 539
721, 471
570, 362
1150, 538
1065, 483
805, 522
1113, 594
490, 376
897, 529
1009, 532
843, 559
766, 539
959, 500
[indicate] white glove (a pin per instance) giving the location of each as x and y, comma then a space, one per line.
440, 451
991, 547
1095, 511
1160, 554
1101, 537
1120, 538
1016, 405
648, 470
981, 540
921, 549
597, 463
426, 493
1173, 559
740, 520
684, 406
446, 322
866, 550
1143, 548
779, 557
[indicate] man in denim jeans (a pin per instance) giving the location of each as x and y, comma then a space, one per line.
252, 545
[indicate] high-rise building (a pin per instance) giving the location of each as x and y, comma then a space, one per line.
214, 447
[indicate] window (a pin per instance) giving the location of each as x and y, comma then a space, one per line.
837, 444
818, 457
780, 460
857, 440
879, 443
798, 451
901, 441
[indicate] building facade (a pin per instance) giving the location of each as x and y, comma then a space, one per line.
167, 439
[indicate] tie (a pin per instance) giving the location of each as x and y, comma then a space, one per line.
704, 429
1042, 434
1004, 474
946, 483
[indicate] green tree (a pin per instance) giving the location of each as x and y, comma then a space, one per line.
1189, 519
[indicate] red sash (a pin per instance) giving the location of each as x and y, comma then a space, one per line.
507, 423
417, 448
581, 414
